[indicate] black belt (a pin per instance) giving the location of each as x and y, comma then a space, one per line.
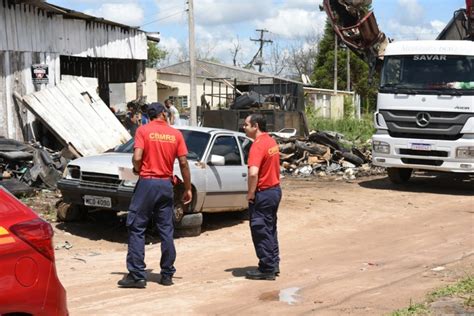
272, 187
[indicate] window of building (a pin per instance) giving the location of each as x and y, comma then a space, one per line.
180, 100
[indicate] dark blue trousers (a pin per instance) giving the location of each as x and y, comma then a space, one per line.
263, 226
152, 197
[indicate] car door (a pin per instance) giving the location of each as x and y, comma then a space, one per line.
227, 184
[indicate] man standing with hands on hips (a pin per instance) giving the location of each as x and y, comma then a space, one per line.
157, 145
264, 195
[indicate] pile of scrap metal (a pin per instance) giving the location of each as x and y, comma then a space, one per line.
26, 167
324, 153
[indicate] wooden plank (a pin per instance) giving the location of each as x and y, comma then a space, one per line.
107, 117
3, 26
3, 96
63, 106
83, 113
8, 29
81, 137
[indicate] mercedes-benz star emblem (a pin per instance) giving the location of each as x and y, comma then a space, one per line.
423, 119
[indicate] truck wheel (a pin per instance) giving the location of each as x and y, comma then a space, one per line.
189, 226
67, 212
399, 175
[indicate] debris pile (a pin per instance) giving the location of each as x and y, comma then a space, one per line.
24, 167
325, 153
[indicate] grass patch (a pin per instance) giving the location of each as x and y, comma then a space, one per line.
354, 130
413, 310
463, 289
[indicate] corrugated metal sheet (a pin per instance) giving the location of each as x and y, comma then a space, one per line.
27, 27
78, 117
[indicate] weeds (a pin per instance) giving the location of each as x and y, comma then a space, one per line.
356, 131
463, 289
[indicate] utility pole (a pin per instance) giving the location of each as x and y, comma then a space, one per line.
192, 64
260, 50
335, 63
348, 66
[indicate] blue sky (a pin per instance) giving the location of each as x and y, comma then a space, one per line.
221, 24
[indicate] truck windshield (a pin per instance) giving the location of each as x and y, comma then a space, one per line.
447, 74
195, 141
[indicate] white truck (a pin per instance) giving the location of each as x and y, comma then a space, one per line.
425, 104
425, 108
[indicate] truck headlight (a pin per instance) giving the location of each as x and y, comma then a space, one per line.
465, 152
129, 183
381, 147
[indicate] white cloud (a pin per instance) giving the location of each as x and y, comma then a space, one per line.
126, 13
410, 12
214, 12
425, 31
294, 23
310, 5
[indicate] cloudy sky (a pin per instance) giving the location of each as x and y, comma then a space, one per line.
220, 24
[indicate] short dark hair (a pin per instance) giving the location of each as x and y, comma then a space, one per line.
260, 120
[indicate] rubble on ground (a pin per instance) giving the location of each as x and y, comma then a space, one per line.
25, 168
325, 153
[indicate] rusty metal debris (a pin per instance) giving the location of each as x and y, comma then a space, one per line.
325, 153
24, 167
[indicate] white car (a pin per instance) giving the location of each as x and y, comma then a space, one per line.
285, 132
218, 165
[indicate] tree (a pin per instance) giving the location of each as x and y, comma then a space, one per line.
323, 75
155, 55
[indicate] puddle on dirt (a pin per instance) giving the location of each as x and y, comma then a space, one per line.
289, 296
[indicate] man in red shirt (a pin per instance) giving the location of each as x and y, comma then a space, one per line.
157, 145
264, 195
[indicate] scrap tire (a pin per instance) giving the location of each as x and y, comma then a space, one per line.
352, 158
399, 175
189, 226
66, 212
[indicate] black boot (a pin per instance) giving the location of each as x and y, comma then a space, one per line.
130, 282
166, 280
258, 275
277, 271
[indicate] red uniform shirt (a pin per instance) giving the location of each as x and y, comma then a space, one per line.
161, 145
265, 155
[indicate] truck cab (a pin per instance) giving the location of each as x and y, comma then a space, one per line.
425, 108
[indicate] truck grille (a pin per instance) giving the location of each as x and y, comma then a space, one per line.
441, 125
99, 180
425, 153
426, 162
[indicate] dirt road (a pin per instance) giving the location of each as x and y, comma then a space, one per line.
358, 248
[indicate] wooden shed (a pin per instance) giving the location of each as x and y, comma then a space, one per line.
41, 42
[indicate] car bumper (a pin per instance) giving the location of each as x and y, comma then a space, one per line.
73, 192
402, 155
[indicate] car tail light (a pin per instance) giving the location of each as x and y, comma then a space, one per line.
38, 234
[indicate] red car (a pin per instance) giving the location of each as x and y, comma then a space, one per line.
28, 280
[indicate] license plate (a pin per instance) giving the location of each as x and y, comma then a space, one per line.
419, 146
97, 201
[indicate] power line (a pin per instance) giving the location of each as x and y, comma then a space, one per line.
165, 10
164, 18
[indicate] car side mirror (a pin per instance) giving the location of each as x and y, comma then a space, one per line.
217, 160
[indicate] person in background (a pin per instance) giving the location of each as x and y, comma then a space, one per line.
132, 119
144, 116
174, 113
